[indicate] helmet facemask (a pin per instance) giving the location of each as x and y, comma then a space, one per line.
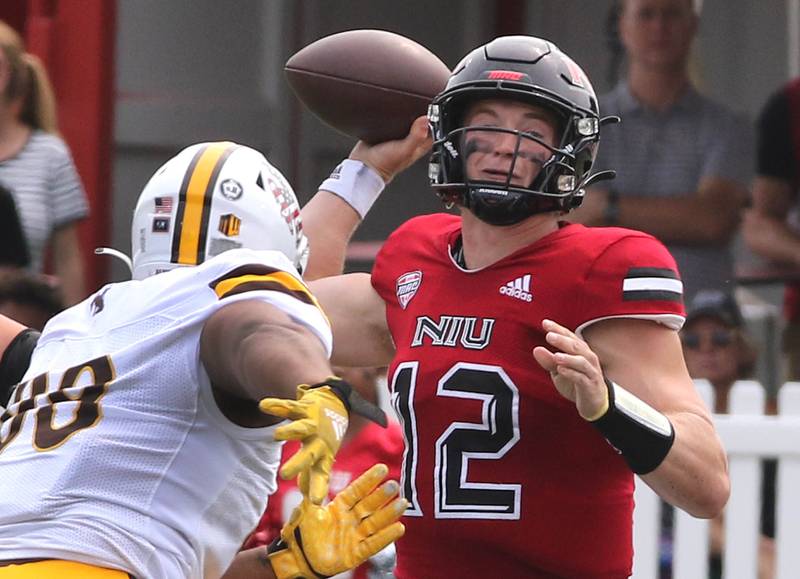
530, 71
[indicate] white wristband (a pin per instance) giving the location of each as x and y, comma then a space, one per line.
356, 183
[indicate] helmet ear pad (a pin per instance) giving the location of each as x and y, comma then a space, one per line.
536, 72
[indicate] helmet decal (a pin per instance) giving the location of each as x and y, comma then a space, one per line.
163, 205
288, 204
229, 225
506, 75
231, 189
194, 203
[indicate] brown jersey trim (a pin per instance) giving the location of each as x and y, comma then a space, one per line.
254, 277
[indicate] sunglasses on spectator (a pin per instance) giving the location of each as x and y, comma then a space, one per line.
719, 339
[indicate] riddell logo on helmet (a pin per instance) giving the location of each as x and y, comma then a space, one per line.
451, 149
498, 192
506, 75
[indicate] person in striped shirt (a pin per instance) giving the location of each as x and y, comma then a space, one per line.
36, 166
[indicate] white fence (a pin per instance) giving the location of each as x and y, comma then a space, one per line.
748, 436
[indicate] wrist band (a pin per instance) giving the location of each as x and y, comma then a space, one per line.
642, 434
355, 183
352, 400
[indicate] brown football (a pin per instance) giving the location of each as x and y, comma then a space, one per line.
368, 84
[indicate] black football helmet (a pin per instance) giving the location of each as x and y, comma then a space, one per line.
530, 70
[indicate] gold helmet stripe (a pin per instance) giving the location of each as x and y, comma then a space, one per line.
194, 203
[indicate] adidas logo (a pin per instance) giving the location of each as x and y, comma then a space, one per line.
519, 288
338, 422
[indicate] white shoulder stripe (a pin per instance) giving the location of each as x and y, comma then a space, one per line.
652, 284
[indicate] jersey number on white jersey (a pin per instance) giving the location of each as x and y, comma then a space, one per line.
81, 394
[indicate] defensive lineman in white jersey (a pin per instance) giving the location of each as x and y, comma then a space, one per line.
134, 445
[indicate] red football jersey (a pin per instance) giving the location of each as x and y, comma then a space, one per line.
504, 478
372, 444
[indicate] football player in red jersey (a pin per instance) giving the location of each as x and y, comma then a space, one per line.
535, 364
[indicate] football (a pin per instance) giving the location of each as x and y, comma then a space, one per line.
368, 84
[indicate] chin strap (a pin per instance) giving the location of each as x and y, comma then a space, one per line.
115, 253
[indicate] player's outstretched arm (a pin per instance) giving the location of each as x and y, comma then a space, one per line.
253, 350
322, 541
334, 213
256, 353
266, 367
629, 379
357, 314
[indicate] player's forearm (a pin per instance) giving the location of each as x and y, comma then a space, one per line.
254, 350
328, 222
694, 475
274, 358
250, 564
685, 219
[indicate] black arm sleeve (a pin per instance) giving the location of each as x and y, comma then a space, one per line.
14, 249
15, 361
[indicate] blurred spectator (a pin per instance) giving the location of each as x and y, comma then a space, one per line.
364, 444
716, 347
772, 227
683, 162
29, 298
36, 166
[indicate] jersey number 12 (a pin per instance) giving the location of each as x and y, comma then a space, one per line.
456, 497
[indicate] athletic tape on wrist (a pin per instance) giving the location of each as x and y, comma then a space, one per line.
352, 400
642, 434
355, 183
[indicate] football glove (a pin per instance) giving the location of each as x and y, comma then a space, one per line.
319, 421
323, 541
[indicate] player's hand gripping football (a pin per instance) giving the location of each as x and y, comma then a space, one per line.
575, 370
393, 157
319, 421
322, 541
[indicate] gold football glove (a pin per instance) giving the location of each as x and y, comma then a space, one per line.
322, 541
319, 421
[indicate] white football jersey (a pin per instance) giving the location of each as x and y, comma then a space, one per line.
113, 451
